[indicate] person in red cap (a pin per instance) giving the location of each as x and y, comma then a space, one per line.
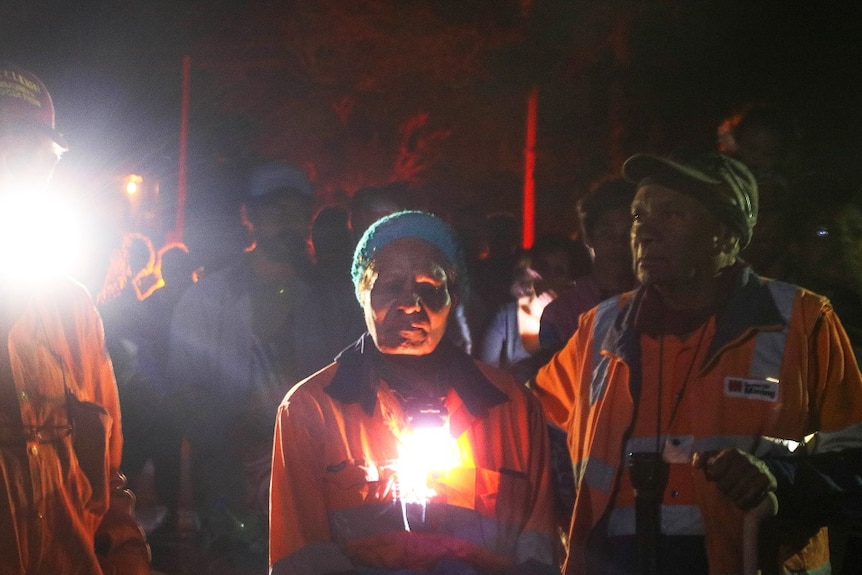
63, 508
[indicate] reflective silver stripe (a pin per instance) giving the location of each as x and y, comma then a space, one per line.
643, 444
595, 473
675, 520
606, 312
707, 443
716, 442
535, 545
760, 446
313, 559
824, 441
599, 383
769, 345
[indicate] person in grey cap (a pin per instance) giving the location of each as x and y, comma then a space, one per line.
238, 339
700, 399
406, 456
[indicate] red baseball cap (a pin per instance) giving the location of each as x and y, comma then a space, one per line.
25, 101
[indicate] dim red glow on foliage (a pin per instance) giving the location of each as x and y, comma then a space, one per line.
415, 148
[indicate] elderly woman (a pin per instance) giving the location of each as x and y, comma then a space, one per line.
406, 455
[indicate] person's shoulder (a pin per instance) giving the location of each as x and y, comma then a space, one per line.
808, 298
798, 305
312, 386
578, 298
507, 309
228, 274
62, 291
217, 283
503, 380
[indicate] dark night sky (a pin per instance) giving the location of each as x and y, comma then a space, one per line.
114, 70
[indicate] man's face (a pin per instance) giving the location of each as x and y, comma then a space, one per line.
674, 239
27, 159
281, 225
406, 297
610, 239
828, 249
555, 269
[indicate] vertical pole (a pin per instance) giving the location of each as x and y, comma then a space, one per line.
182, 168
529, 217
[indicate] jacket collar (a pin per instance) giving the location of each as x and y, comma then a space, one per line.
356, 378
751, 305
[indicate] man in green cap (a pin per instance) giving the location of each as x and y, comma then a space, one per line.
704, 394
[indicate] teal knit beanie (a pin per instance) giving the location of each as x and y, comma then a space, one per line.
407, 224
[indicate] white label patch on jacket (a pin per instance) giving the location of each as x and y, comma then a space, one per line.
762, 389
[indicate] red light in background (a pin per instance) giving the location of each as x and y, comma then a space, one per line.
529, 217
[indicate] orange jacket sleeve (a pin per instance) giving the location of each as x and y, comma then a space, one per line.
300, 539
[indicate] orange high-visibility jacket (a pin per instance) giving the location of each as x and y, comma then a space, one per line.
779, 365
333, 495
48, 518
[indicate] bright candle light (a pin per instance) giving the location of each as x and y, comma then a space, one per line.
423, 451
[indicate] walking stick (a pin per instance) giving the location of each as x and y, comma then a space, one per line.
751, 529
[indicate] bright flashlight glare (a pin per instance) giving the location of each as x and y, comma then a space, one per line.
424, 451
38, 236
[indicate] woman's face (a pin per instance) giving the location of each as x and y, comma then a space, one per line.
406, 297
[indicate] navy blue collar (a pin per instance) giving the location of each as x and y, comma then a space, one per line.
356, 378
750, 305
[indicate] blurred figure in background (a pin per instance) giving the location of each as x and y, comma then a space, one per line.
765, 138
512, 336
767, 252
158, 486
825, 247
239, 338
120, 297
511, 340
490, 286
605, 220
371, 203
177, 271
332, 244
131, 350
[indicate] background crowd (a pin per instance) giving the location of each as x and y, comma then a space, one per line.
206, 335
202, 366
